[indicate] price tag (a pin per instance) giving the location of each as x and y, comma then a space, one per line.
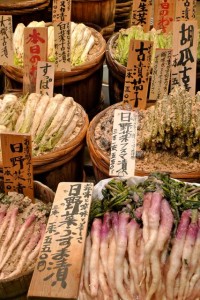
164, 11
45, 78
160, 76
185, 10
141, 14
58, 268
61, 11
6, 41
62, 35
35, 49
137, 73
184, 55
17, 163
123, 147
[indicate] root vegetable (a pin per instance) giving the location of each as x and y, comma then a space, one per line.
87, 263
102, 282
105, 236
111, 267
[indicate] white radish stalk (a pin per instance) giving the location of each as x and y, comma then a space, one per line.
111, 267
176, 254
164, 233
25, 241
120, 256
193, 281
102, 282
19, 236
30, 246
87, 263
105, 236
126, 273
186, 257
195, 293
153, 226
2, 215
11, 229
5, 223
94, 258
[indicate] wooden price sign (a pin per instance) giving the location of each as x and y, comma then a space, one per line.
58, 268
61, 11
164, 11
62, 34
185, 10
45, 78
160, 76
184, 56
6, 41
17, 163
35, 49
137, 73
123, 147
141, 14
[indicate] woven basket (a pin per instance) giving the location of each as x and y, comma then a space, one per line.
122, 14
83, 83
100, 159
17, 288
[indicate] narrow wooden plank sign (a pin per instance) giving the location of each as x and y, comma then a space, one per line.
185, 10
160, 76
17, 163
58, 268
137, 73
141, 14
6, 41
164, 11
184, 56
35, 49
123, 147
45, 78
61, 10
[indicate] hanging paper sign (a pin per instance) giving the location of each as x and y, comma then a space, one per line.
62, 35
123, 147
17, 163
160, 76
6, 41
141, 14
35, 49
184, 55
58, 268
61, 11
137, 73
164, 11
185, 10
45, 78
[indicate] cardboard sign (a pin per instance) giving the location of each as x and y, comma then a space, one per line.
185, 10
160, 76
58, 268
123, 147
62, 35
35, 49
141, 13
184, 55
45, 78
164, 11
17, 163
6, 41
137, 73
61, 10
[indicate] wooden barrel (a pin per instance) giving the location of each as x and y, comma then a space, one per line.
100, 12
100, 159
83, 82
123, 14
25, 11
17, 288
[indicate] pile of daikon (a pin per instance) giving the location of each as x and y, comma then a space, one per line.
22, 227
51, 122
82, 41
143, 242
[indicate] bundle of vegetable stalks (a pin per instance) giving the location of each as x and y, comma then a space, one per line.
122, 43
143, 241
52, 122
22, 228
82, 41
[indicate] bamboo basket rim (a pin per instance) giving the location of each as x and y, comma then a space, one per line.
24, 11
48, 192
123, 4
101, 159
83, 71
9, 5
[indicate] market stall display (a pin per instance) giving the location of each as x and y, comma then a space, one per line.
173, 149
143, 240
58, 127
22, 228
